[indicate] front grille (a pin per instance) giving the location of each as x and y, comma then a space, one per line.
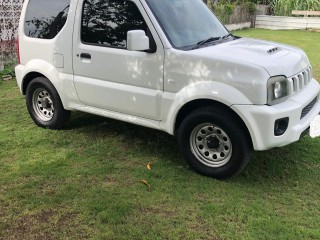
300, 80
308, 108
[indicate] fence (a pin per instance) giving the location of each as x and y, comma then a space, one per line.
277, 23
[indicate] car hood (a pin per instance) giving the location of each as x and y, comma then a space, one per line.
275, 58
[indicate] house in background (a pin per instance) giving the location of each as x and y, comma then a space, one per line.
9, 20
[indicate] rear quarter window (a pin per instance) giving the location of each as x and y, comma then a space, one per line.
45, 18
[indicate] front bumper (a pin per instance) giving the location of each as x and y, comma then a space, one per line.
260, 119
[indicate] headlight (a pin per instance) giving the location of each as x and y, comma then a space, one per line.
278, 90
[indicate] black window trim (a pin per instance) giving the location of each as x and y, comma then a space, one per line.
46, 39
115, 47
93, 44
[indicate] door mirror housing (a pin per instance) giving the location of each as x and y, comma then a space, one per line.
137, 40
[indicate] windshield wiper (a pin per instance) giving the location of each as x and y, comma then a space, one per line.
210, 39
226, 36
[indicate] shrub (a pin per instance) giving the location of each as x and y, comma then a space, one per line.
8, 70
285, 7
229, 11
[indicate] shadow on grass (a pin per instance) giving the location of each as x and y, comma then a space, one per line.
278, 164
143, 139
286, 165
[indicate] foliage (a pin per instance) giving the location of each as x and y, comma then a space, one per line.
229, 11
251, 7
223, 10
8, 70
89, 180
96, 22
264, 2
285, 7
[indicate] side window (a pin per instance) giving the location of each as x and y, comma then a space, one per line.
106, 22
45, 18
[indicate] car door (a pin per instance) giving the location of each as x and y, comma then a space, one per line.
106, 74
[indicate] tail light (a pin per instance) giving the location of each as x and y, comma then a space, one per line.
18, 49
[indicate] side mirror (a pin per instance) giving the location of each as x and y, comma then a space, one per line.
137, 40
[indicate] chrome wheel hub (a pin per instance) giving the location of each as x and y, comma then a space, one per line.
211, 145
43, 104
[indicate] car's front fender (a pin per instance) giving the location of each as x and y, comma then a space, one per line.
172, 103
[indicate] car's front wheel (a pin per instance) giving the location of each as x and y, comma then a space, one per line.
44, 104
214, 143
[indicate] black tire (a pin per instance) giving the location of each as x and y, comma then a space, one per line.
214, 142
44, 104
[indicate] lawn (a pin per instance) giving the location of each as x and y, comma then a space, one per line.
84, 182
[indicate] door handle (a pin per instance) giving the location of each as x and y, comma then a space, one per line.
85, 55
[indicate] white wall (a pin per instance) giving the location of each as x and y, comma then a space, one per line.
277, 23
236, 26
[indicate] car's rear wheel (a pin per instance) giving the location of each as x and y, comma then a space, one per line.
44, 104
214, 143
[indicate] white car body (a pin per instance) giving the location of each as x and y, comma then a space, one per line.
150, 89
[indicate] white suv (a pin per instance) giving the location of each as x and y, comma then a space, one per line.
169, 65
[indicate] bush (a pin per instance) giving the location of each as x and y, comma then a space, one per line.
223, 11
285, 7
232, 11
8, 70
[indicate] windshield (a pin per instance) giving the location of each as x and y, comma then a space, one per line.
186, 22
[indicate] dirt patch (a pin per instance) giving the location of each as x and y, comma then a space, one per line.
46, 224
314, 30
159, 210
10, 159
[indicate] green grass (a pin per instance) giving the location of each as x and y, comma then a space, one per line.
84, 182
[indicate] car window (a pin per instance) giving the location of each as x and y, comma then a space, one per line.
45, 18
106, 22
186, 22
